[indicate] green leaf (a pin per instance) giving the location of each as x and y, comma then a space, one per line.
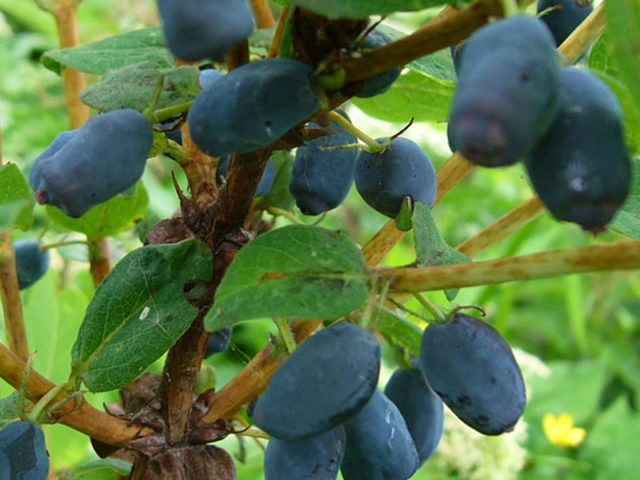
134, 87
363, 8
414, 95
398, 329
30, 15
9, 409
103, 469
119, 214
138, 313
608, 444
431, 249
603, 65
627, 221
438, 65
16, 199
292, 272
623, 25
139, 46
572, 387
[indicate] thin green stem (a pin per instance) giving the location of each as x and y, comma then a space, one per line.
510, 7
64, 243
149, 111
281, 212
170, 112
372, 145
254, 433
40, 409
286, 334
438, 314
177, 152
401, 306
367, 313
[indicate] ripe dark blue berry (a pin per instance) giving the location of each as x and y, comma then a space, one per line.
472, 368
321, 179
563, 19
35, 177
379, 445
581, 168
421, 408
382, 82
31, 262
103, 158
252, 106
200, 29
403, 169
507, 93
219, 341
314, 458
23, 453
208, 77
326, 380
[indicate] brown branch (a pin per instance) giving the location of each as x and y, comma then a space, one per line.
180, 379
66, 17
615, 256
276, 43
99, 259
10, 293
200, 170
503, 227
445, 31
11, 301
452, 173
236, 196
82, 417
584, 35
382, 242
238, 56
263, 14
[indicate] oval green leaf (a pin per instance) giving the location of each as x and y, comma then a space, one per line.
97, 58
293, 272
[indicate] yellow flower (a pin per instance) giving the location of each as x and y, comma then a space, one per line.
561, 430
